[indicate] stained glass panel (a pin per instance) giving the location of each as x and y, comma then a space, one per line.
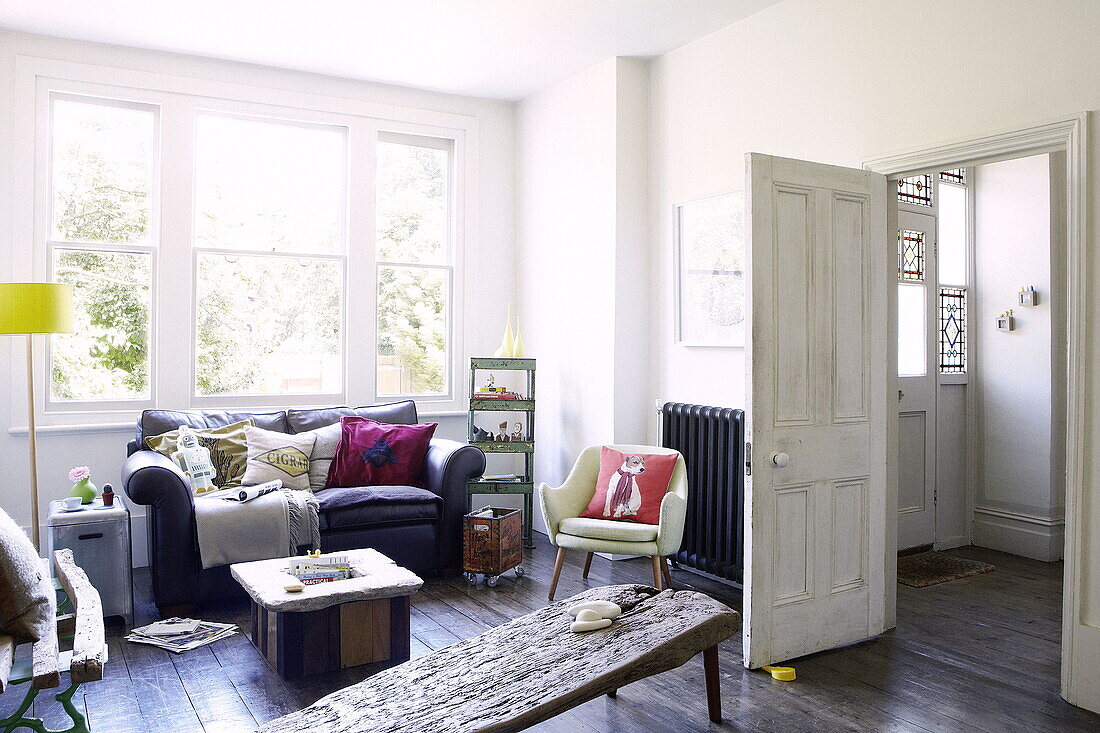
915, 190
952, 330
956, 175
910, 255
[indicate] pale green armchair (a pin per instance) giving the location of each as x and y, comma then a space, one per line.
561, 508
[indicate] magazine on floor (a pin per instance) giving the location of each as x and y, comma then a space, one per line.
205, 632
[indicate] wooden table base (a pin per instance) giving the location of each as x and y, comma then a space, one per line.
346, 635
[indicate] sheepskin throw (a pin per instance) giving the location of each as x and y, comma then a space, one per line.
27, 605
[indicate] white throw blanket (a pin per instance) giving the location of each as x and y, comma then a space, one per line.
274, 525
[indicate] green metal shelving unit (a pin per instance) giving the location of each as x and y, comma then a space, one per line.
524, 484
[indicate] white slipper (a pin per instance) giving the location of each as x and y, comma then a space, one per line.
589, 620
605, 609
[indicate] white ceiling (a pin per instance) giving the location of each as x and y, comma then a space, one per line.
502, 49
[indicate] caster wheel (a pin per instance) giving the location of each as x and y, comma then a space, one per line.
520, 571
471, 578
492, 580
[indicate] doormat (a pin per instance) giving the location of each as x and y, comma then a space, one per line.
931, 568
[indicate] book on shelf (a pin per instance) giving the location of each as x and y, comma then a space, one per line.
497, 396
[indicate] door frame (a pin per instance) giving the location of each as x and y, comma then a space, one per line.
1062, 134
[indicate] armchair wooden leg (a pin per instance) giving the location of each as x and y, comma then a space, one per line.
666, 573
714, 692
587, 565
557, 571
658, 581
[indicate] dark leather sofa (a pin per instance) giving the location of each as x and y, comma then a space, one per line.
420, 529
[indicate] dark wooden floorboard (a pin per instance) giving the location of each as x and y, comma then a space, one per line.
976, 654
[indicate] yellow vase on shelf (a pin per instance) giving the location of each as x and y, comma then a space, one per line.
519, 349
507, 344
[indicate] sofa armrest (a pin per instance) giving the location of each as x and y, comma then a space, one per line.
153, 480
448, 466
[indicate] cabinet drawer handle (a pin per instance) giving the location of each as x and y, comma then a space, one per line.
96, 536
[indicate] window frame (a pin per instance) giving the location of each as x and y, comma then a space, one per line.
150, 246
316, 121
177, 98
448, 146
962, 377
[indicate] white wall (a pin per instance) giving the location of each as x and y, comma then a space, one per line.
1019, 502
489, 287
583, 260
842, 81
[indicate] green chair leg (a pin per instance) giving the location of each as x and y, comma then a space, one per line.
18, 719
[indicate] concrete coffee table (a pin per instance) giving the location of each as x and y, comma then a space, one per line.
334, 625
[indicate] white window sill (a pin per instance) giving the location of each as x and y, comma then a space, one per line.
21, 431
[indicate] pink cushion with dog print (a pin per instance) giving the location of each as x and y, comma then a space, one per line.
372, 453
631, 486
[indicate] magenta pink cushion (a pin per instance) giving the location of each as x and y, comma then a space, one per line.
372, 453
631, 486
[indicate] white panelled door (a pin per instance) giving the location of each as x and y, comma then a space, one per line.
817, 415
918, 368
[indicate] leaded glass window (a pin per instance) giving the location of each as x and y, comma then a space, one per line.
911, 255
915, 190
952, 330
956, 175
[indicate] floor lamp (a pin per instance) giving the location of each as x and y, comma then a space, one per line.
30, 308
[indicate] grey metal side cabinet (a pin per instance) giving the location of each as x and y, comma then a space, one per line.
100, 541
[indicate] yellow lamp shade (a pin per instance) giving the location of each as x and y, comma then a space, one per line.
36, 308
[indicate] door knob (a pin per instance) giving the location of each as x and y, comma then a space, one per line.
781, 460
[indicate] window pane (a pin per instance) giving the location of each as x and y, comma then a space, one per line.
915, 190
267, 325
107, 358
952, 330
268, 186
912, 331
412, 203
102, 172
910, 255
412, 331
955, 175
951, 232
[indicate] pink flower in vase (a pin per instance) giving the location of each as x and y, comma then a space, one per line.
79, 473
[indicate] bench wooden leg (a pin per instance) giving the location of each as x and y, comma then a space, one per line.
714, 691
666, 573
658, 581
557, 571
613, 694
587, 565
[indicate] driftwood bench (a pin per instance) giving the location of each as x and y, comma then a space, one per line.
530, 669
43, 670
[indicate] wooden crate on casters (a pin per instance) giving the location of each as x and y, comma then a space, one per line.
492, 543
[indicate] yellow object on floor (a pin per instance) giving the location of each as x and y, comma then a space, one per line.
783, 674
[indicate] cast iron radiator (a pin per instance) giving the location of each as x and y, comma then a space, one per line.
712, 441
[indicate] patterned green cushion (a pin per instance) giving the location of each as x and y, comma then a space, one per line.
227, 445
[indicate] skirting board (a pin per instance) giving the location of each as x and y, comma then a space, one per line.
1019, 534
950, 543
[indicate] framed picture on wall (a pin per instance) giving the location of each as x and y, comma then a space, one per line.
710, 275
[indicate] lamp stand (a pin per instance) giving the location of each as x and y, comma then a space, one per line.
31, 443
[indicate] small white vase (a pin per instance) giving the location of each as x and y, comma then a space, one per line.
519, 349
507, 344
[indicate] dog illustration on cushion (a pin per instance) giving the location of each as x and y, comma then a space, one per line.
379, 454
623, 496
